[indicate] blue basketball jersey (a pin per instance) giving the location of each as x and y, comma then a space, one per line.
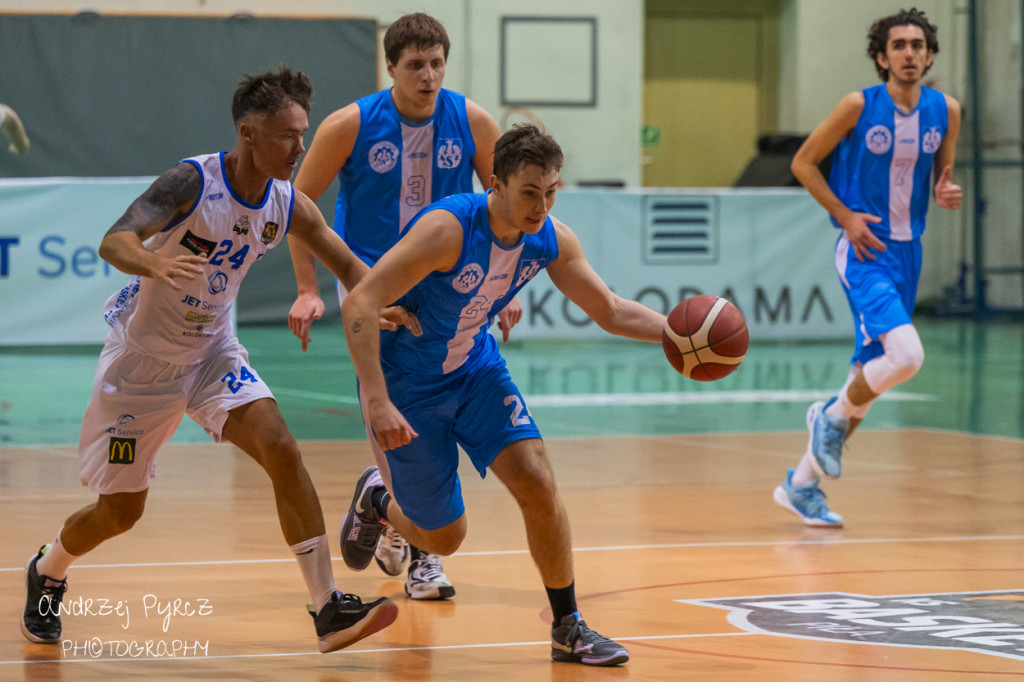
883, 167
397, 168
456, 308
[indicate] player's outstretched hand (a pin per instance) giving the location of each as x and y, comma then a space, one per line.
307, 307
395, 316
170, 270
862, 239
509, 316
389, 426
948, 195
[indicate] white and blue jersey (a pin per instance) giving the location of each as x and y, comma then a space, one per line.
451, 384
397, 168
178, 326
456, 308
883, 167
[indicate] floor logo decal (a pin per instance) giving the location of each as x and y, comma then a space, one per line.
985, 622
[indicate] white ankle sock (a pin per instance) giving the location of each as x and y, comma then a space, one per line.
314, 557
56, 562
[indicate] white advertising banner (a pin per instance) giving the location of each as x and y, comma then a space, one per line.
53, 283
767, 251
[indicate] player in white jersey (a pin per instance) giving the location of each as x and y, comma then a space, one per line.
891, 140
14, 129
188, 241
393, 153
462, 259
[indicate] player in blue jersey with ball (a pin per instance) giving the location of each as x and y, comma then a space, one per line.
394, 152
459, 263
891, 141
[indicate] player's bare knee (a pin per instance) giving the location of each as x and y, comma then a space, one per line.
281, 457
120, 512
444, 541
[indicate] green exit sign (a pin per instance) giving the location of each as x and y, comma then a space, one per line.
650, 136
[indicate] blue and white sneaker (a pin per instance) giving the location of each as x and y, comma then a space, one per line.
828, 435
807, 502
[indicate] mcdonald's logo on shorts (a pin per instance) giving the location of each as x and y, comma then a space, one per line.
122, 451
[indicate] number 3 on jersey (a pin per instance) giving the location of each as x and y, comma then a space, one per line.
520, 415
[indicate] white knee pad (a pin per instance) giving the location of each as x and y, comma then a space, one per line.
903, 356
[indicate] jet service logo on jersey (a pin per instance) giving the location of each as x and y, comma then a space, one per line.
449, 153
985, 622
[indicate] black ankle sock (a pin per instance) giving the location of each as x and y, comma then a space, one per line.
563, 601
379, 499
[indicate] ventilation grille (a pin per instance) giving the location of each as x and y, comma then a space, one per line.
680, 230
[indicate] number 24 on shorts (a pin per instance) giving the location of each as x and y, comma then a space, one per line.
235, 383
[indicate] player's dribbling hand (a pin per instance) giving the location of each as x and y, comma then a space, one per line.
509, 316
948, 195
861, 238
179, 268
393, 317
307, 307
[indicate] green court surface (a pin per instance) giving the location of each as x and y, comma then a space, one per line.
972, 381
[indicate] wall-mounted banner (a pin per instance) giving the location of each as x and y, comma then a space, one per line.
767, 251
52, 281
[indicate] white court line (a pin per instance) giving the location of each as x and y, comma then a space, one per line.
617, 548
665, 398
351, 652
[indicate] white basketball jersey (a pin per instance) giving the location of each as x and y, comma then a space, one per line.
177, 326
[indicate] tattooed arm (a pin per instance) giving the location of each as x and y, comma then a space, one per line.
170, 196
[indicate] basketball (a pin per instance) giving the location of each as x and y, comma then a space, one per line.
705, 338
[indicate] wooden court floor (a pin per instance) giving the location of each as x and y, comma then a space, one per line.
680, 553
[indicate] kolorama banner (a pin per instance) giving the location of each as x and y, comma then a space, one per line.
768, 251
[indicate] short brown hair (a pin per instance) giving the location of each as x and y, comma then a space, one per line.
525, 145
878, 36
414, 30
268, 93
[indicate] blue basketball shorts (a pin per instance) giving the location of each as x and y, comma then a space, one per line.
480, 409
881, 292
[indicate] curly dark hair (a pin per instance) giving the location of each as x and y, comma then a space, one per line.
268, 93
525, 145
878, 36
416, 30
